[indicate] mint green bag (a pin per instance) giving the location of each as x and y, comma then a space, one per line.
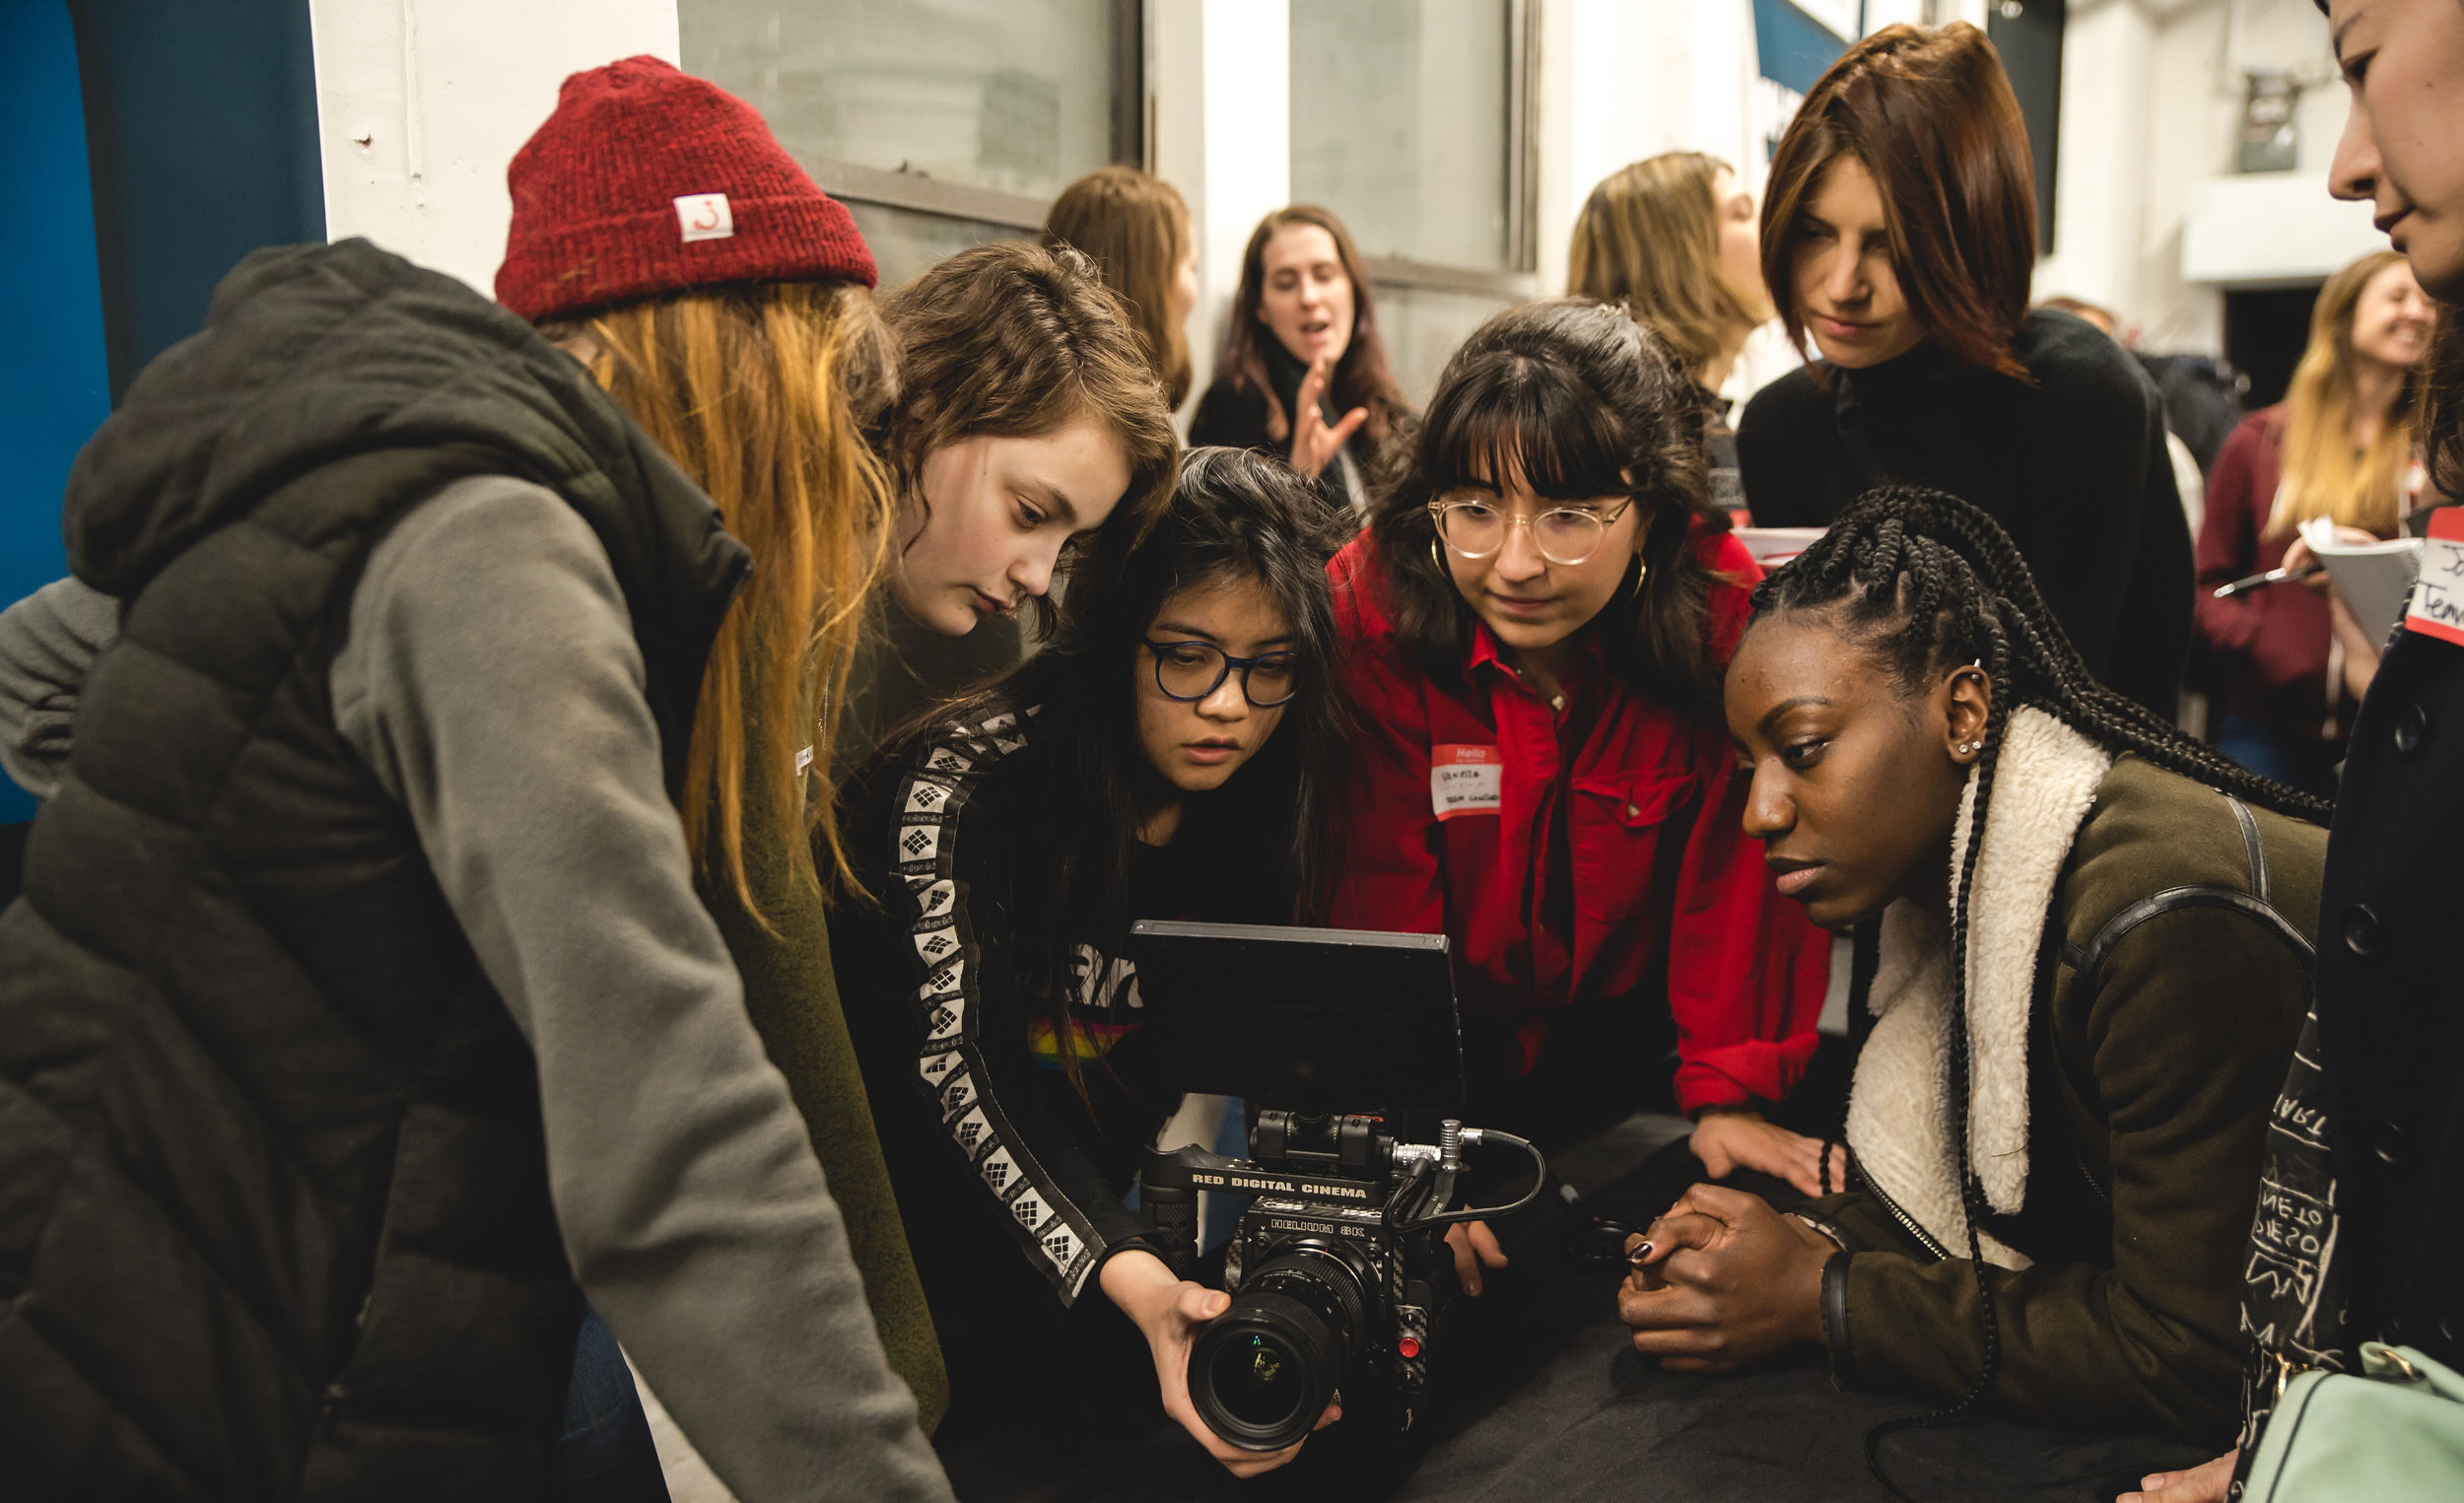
2392, 1434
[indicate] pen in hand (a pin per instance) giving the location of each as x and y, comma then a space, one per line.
2271, 577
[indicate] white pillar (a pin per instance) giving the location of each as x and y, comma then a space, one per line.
2101, 173
1621, 80
1218, 77
421, 104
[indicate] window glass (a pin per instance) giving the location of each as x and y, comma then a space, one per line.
1011, 95
1399, 125
906, 243
1424, 326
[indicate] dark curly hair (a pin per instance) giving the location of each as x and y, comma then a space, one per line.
1011, 340
1585, 402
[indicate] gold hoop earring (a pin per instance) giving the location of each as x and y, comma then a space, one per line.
1439, 559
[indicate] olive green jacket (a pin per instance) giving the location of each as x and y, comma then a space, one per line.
2170, 984
792, 994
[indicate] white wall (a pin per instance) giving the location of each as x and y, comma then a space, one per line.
1621, 80
421, 104
1218, 76
2103, 155
2150, 218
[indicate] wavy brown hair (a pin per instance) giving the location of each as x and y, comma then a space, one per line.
2325, 474
1576, 396
1931, 116
760, 394
1014, 341
1362, 377
2442, 405
1135, 228
1649, 238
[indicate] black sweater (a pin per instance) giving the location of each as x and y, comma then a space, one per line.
1010, 1181
1233, 414
2073, 467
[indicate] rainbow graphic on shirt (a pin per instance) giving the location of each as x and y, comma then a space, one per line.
1090, 1041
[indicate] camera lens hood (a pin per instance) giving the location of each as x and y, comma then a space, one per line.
1264, 1370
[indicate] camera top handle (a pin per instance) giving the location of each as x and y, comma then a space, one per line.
1169, 1183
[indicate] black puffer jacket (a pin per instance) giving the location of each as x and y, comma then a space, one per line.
274, 1216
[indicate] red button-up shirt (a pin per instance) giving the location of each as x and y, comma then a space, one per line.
1610, 835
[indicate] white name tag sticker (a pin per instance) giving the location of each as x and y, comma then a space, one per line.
1465, 780
704, 217
2437, 608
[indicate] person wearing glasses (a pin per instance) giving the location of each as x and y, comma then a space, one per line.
1535, 625
1169, 754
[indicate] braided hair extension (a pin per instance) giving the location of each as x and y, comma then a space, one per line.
1926, 581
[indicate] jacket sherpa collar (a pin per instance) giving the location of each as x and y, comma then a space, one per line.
1897, 1124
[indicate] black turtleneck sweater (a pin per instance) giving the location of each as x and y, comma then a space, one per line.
2073, 467
1234, 414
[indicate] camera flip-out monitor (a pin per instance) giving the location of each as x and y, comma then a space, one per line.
1307, 1020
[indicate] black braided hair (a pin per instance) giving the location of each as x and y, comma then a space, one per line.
1926, 581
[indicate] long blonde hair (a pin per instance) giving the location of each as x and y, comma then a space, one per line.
761, 393
2324, 473
1649, 238
1136, 226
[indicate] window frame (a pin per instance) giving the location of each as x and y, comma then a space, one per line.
1520, 278
923, 193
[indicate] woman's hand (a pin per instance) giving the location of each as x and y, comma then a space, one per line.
1475, 1245
2200, 1484
1314, 445
1170, 1310
1730, 1139
2298, 556
1722, 1281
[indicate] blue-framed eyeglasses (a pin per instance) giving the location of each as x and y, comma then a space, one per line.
1188, 671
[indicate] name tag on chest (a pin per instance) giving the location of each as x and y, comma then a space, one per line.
1465, 780
2437, 608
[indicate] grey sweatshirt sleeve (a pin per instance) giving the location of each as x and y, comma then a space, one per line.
491, 681
47, 642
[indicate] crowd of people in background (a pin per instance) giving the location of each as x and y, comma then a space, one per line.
489, 905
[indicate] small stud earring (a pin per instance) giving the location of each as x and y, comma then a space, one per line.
1969, 748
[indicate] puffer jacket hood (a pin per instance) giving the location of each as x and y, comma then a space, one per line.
311, 354
314, 354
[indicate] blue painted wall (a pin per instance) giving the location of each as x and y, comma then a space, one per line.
54, 380
1793, 48
201, 132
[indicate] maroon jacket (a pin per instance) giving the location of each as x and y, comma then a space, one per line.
2270, 646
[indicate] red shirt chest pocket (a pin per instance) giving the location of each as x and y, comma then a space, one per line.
1614, 825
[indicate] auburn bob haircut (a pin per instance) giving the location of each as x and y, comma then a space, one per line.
1930, 115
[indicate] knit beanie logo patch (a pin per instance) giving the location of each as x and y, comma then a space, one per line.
704, 217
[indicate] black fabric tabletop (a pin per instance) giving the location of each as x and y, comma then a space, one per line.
1544, 1403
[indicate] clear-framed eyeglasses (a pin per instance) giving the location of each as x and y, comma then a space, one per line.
1565, 535
1188, 671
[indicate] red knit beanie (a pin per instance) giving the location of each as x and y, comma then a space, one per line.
649, 180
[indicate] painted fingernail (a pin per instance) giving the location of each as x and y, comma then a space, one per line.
1639, 1254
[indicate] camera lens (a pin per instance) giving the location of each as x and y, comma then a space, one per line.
1257, 1381
1264, 1370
